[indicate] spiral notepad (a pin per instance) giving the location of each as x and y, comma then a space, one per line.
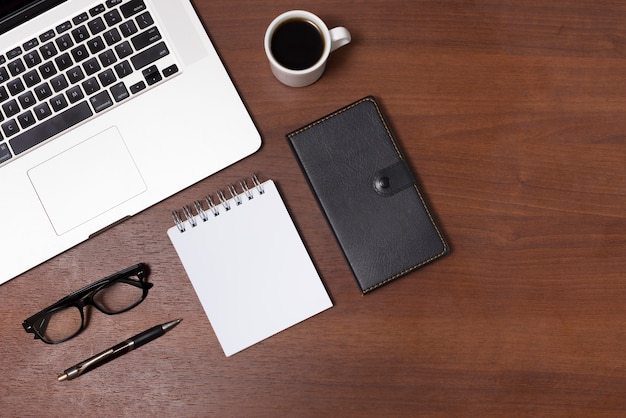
247, 264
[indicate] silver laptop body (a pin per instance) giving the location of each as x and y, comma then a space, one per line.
172, 122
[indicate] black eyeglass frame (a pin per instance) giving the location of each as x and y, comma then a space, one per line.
84, 297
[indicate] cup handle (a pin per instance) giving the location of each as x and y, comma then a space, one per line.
339, 37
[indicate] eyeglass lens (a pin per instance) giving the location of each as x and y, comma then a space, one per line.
118, 296
61, 324
114, 298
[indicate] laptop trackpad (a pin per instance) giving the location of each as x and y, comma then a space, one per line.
87, 180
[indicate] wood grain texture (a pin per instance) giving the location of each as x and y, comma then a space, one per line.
511, 114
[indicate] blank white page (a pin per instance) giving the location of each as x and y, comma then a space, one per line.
250, 269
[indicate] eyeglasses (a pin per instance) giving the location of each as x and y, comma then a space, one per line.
112, 295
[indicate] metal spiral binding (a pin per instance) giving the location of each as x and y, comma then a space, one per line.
212, 206
246, 189
189, 216
258, 184
178, 221
200, 211
203, 214
225, 203
234, 195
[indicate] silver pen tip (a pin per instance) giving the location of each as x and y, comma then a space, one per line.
169, 325
62, 377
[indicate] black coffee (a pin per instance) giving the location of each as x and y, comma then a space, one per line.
297, 44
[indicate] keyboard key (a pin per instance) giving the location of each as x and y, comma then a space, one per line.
4, 75
80, 34
91, 66
107, 58
50, 127
171, 70
81, 18
96, 26
113, 3
27, 100
58, 102
123, 69
137, 87
75, 75
28, 45
15, 86
152, 75
113, 17
11, 108
43, 91
149, 55
63, 27
48, 50
63, 61
128, 28
123, 50
32, 58
132, 7
16, 67
112, 36
80, 53
31, 78
4, 94
95, 45
96, 10
59, 83
146, 38
15, 52
119, 92
5, 153
64, 42
75, 94
10, 128
101, 101
26, 119
47, 70
46, 36
42, 111
144, 20
107, 78
90, 86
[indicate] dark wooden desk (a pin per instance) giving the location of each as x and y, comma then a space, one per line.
512, 114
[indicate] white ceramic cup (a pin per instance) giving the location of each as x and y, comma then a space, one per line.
332, 39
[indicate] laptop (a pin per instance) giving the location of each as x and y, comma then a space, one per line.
106, 108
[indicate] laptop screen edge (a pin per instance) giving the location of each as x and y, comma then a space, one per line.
15, 12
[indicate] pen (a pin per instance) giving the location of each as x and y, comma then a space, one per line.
118, 350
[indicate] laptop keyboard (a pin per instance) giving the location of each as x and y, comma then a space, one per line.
76, 70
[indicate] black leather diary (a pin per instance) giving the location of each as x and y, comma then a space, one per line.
368, 193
